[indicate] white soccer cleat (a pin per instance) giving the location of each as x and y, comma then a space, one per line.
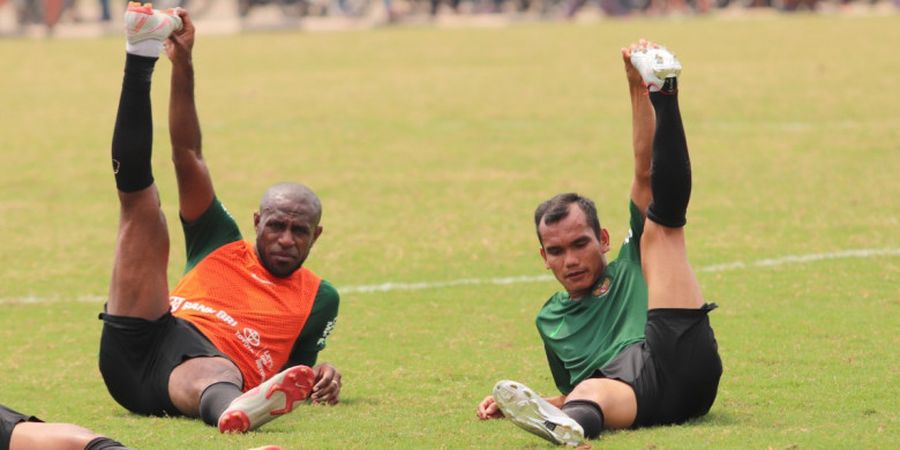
655, 65
264, 403
534, 414
142, 23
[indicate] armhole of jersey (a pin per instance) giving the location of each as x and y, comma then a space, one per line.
213, 229
631, 246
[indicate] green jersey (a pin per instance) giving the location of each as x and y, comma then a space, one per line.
582, 336
215, 228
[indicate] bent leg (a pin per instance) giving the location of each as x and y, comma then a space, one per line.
189, 381
616, 400
138, 287
61, 436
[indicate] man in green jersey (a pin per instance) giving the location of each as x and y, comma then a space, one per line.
629, 342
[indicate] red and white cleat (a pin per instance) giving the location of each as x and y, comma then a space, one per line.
142, 23
276, 396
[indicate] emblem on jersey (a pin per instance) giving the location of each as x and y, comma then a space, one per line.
252, 336
603, 288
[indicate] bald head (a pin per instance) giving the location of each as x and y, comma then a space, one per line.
292, 196
287, 226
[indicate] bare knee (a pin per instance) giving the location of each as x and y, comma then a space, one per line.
615, 398
188, 381
61, 436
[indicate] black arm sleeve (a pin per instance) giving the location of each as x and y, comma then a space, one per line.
318, 327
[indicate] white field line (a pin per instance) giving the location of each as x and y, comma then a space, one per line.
397, 286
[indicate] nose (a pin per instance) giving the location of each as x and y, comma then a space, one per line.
571, 259
286, 239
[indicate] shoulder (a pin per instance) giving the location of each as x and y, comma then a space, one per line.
327, 297
327, 291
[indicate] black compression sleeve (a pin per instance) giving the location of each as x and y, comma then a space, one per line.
104, 443
670, 177
215, 400
588, 414
133, 135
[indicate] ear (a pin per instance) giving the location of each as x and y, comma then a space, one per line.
544, 256
317, 233
256, 220
604, 240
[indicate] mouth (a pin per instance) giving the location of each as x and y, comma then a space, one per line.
576, 275
281, 258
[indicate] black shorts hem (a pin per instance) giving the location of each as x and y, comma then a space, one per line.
8, 421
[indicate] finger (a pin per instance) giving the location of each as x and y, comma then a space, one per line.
324, 380
327, 390
185, 17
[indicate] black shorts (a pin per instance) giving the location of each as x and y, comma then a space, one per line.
675, 372
8, 420
137, 356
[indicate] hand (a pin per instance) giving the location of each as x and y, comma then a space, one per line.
327, 389
180, 44
488, 409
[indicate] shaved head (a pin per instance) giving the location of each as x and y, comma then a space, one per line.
291, 193
287, 226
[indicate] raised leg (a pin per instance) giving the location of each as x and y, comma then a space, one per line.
138, 287
670, 280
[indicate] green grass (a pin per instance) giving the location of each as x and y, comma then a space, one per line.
430, 149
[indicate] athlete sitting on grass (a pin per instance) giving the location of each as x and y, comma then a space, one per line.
628, 342
234, 341
21, 432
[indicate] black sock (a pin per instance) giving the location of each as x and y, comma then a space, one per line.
588, 414
670, 175
133, 135
104, 443
215, 400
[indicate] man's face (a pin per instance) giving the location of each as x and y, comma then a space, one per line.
285, 233
573, 252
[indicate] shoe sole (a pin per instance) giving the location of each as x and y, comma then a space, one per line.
260, 404
533, 414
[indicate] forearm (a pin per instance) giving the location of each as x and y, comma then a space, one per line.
195, 190
184, 125
643, 127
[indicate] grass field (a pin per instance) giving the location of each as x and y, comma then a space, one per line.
430, 148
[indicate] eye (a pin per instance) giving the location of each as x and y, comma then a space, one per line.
554, 251
581, 243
